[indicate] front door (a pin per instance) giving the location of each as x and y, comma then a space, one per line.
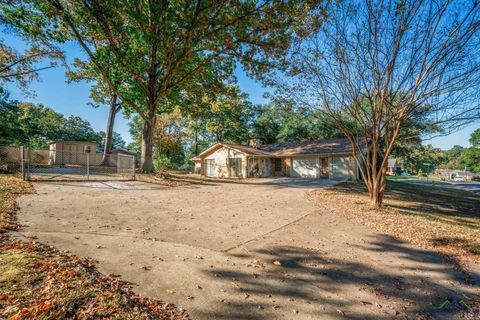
235, 165
277, 165
324, 170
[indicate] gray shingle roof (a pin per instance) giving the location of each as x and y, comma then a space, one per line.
248, 150
330, 146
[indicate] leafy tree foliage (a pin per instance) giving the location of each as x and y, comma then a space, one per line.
452, 158
157, 47
76, 128
228, 116
8, 118
424, 158
279, 123
34, 125
101, 94
117, 141
222, 114
23, 66
470, 158
475, 138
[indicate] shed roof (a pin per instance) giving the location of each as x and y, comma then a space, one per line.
392, 163
78, 141
122, 150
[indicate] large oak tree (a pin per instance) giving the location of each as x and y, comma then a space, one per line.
159, 45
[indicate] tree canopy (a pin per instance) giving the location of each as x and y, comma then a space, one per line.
470, 157
157, 48
280, 121
34, 125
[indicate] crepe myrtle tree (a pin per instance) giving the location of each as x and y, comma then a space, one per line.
159, 45
377, 66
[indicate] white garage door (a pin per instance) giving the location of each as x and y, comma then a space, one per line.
340, 168
305, 167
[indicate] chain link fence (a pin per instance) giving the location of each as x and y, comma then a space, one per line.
10, 159
65, 165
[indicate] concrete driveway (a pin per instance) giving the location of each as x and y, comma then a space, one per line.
248, 250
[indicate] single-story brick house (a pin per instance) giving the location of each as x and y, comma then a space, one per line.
329, 159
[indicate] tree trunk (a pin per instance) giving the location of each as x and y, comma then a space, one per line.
109, 130
196, 144
375, 198
196, 138
146, 161
378, 189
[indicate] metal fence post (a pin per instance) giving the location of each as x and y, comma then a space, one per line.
88, 166
118, 162
133, 167
22, 162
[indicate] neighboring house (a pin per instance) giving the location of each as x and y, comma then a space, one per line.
63, 152
329, 159
455, 173
393, 166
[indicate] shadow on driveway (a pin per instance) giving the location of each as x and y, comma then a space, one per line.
310, 277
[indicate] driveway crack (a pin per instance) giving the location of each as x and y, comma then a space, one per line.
269, 232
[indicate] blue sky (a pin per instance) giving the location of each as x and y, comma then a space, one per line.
72, 98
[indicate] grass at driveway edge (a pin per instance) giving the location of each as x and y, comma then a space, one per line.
40, 282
